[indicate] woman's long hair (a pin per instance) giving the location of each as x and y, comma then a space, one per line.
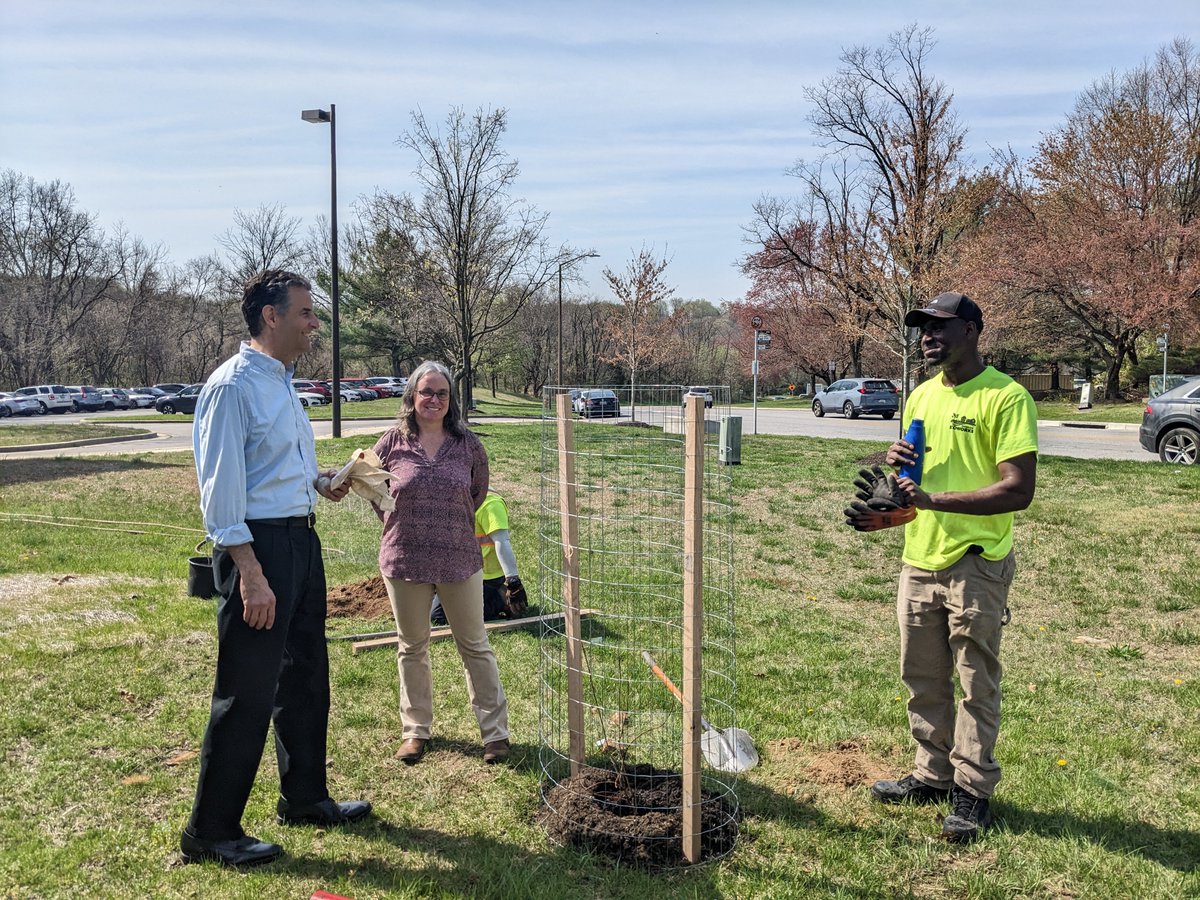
406, 419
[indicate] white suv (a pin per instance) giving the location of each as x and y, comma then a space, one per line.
53, 397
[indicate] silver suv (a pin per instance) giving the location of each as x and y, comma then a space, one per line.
853, 397
52, 397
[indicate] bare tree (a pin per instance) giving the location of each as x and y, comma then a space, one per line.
483, 250
54, 270
265, 238
889, 195
642, 293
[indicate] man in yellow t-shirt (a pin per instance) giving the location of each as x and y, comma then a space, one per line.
979, 467
503, 594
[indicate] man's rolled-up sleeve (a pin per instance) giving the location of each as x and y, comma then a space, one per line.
220, 445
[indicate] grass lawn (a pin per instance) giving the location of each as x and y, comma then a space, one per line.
1068, 411
56, 432
108, 667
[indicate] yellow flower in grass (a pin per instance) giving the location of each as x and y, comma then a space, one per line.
1179, 681
1062, 762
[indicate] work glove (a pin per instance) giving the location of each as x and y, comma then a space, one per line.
861, 517
881, 502
880, 490
516, 600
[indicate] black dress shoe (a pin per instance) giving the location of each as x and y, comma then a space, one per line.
243, 851
327, 813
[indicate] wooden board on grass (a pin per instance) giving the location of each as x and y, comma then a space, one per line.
443, 632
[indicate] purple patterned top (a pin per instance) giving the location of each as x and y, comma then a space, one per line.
430, 536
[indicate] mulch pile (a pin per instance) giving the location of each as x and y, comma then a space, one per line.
361, 600
633, 816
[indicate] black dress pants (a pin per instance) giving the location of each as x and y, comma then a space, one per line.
278, 675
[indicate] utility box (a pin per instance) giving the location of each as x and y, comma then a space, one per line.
729, 452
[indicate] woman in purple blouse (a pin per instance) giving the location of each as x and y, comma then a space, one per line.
439, 478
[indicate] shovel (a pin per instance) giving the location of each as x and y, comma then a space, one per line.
730, 750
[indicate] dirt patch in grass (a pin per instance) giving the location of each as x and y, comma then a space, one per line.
633, 816
874, 459
846, 765
361, 600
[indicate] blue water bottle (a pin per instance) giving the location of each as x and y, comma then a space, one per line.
915, 436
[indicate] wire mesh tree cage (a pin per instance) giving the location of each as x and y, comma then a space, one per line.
635, 531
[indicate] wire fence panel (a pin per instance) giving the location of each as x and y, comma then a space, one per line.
628, 460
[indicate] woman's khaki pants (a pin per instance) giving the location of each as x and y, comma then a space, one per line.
463, 603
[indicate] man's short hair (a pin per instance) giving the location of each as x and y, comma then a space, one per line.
271, 287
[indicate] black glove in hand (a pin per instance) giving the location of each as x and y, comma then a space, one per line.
880, 490
517, 600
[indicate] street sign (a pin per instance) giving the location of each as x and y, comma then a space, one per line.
763, 338
1161, 343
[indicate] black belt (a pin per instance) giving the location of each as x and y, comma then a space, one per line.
309, 521
975, 550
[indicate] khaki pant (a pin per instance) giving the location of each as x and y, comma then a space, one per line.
950, 621
463, 604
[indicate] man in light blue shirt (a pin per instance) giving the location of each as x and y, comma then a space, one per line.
256, 465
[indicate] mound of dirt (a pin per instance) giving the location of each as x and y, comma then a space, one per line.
361, 600
634, 816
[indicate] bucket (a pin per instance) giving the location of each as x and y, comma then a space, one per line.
200, 581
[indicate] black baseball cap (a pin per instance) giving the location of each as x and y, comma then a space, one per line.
946, 306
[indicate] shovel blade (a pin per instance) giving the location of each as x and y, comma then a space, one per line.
730, 750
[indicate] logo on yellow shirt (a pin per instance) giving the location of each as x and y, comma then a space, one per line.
962, 423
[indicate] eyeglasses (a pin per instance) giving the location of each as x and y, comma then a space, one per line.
429, 395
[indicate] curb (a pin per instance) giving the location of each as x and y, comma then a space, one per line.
83, 442
1111, 426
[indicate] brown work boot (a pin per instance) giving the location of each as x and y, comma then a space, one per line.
412, 750
496, 751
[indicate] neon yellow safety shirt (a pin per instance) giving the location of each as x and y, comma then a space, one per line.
491, 516
969, 429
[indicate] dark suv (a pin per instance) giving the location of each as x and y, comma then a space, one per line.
1171, 424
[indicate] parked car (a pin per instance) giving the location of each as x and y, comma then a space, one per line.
395, 385
183, 402
313, 387
139, 399
349, 395
51, 397
170, 388
1171, 424
600, 403
858, 396
18, 405
115, 398
85, 398
152, 391
698, 391
366, 391
311, 398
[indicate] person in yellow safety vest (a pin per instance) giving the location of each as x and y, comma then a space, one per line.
503, 594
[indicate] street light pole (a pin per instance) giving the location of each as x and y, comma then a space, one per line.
318, 116
756, 322
566, 262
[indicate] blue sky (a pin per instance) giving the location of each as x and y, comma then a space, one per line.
655, 123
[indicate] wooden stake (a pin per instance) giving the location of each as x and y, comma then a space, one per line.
693, 620
384, 639
569, 527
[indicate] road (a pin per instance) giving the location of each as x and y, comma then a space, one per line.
1055, 439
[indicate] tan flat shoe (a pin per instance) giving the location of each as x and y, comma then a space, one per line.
412, 750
